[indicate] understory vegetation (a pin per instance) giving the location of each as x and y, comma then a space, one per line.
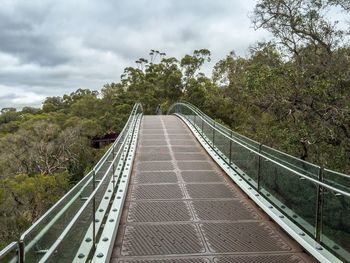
291, 93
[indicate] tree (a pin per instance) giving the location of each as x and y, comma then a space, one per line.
53, 104
43, 148
191, 64
298, 23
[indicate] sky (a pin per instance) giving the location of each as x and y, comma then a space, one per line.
51, 48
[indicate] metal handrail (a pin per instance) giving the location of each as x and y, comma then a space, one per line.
8, 249
230, 132
85, 181
277, 163
96, 190
81, 210
96, 169
318, 177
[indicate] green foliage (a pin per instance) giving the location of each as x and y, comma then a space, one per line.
292, 93
24, 199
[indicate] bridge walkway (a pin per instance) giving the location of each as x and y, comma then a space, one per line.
181, 207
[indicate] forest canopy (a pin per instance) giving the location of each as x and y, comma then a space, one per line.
291, 93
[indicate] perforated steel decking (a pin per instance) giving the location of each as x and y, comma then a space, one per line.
182, 208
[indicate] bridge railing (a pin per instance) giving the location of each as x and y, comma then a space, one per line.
72, 225
9, 253
315, 199
333, 178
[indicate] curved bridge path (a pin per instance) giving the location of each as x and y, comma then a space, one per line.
181, 207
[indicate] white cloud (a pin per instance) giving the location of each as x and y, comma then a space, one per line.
49, 48
19, 97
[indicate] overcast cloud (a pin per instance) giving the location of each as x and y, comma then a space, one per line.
50, 48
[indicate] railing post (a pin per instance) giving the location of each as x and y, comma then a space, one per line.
113, 168
214, 134
93, 212
21, 252
319, 206
230, 148
113, 174
202, 126
259, 168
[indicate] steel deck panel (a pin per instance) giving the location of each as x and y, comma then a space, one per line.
182, 207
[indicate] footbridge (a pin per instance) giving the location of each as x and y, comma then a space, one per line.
183, 188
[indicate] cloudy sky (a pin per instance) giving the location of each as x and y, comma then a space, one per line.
50, 48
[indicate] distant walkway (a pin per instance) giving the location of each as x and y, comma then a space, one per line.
182, 208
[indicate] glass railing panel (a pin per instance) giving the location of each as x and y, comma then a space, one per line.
336, 224
246, 161
337, 180
67, 249
208, 132
100, 173
190, 118
45, 232
80, 229
222, 143
198, 122
9, 253
294, 196
292, 162
283, 180
103, 187
50, 227
186, 111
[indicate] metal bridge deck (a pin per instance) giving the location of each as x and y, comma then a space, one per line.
182, 208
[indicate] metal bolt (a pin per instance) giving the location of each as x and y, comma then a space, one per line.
88, 239
100, 255
81, 255
319, 248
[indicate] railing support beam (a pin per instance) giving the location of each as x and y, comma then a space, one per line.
319, 206
21, 256
94, 213
229, 161
259, 169
214, 135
